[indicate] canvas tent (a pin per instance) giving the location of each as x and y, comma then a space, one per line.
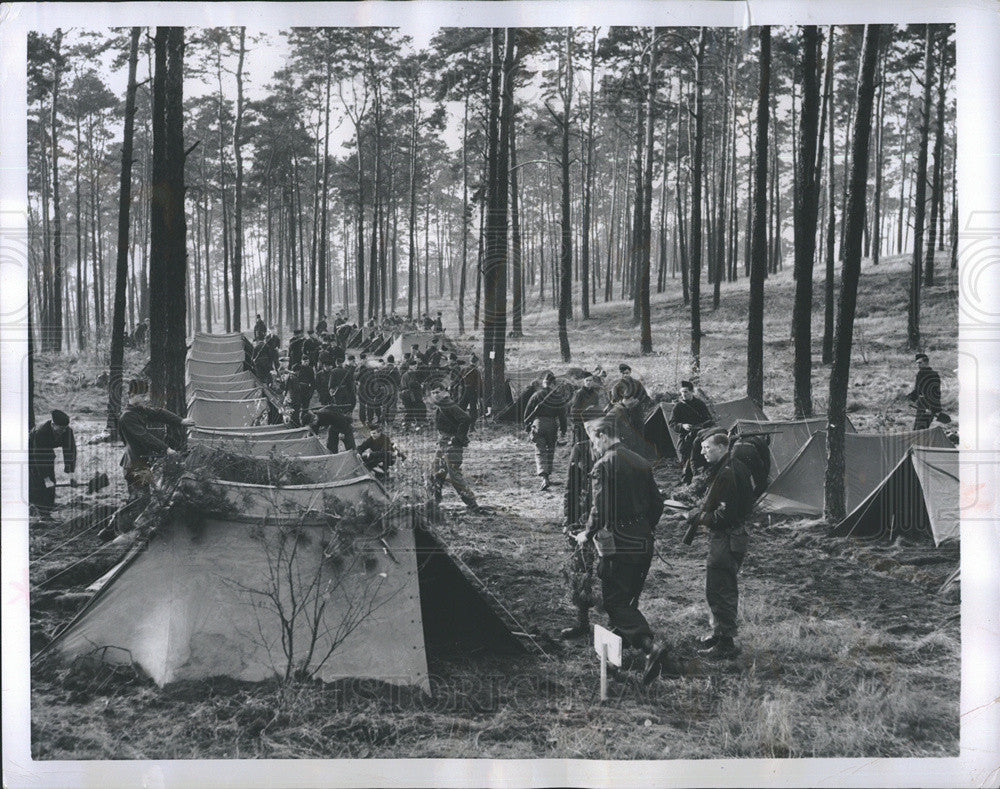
658, 433
868, 459
226, 413
918, 498
402, 343
787, 437
263, 446
196, 600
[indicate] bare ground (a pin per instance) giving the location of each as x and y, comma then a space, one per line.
847, 650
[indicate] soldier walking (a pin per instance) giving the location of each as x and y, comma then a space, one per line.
452, 424
544, 415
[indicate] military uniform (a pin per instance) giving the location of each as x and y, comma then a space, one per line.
339, 425
692, 412
546, 414
42, 444
142, 447
627, 502
412, 397
926, 394
727, 504
578, 570
584, 406
452, 424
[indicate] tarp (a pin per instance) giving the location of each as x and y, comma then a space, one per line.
217, 343
403, 342
254, 447
253, 432
919, 498
787, 437
868, 459
322, 468
198, 369
237, 355
197, 600
227, 413
223, 393
657, 431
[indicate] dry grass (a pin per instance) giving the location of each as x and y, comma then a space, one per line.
846, 650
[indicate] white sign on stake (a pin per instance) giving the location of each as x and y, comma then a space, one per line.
609, 647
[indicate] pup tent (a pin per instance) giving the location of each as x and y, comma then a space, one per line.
868, 459
656, 429
315, 573
919, 498
786, 436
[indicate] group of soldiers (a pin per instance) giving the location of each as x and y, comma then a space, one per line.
611, 505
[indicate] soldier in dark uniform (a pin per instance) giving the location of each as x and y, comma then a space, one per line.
627, 388
392, 373
627, 504
438, 325
338, 424
452, 424
295, 349
544, 414
411, 396
926, 393
471, 389
582, 560
310, 348
321, 326
690, 415
378, 451
322, 385
727, 504
360, 377
259, 328
342, 390
584, 406
42, 443
142, 447
265, 358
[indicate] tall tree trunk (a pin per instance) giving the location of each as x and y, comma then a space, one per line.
696, 176
238, 206
920, 204
937, 189
828, 288
646, 332
515, 234
168, 238
121, 269
55, 315
588, 181
834, 499
466, 217
566, 236
876, 249
758, 265
495, 249
806, 207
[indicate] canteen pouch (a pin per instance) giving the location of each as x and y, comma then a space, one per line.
604, 541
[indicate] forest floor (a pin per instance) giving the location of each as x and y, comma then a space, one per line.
847, 650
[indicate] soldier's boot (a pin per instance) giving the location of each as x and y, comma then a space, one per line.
707, 642
579, 630
723, 649
545, 482
656, 652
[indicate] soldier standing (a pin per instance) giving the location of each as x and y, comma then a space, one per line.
259, 328
579, 567
626, 507
544, 414
452, 424
585, 406
690, 415
926, 393
727, 504
143, 448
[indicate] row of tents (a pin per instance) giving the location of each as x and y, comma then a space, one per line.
251, 586
895, 483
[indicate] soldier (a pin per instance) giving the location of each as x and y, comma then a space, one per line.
42, 442
727, 504
627, 388
342, 390
411, 396
326, 365
471, 389
143, 448
626, 507
295, 349
360, 376
392, 372
690, 415
926, 393
265, 358
338, 423
585, 406
438, 325
544, 414
452, 424
579, 567
321, 325
378, 451
259, 328
311, 347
